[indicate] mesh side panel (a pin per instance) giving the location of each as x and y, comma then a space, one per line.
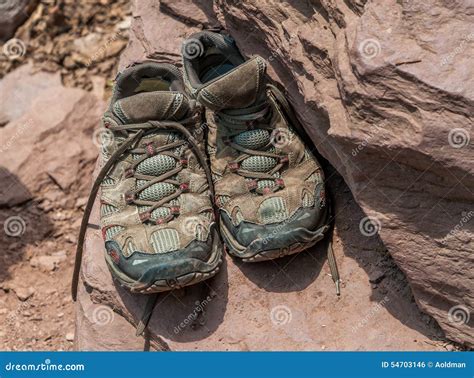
272, 210
108, 181
157, 191
129, 248
201, 233
315, 177
238, 217
211, 150
223, 200
161, 212
258, 163
106, 209
308, 155
265, 184
208, 214
253, 139
119, 112
308, 200
156, 165
166, 240
112, 231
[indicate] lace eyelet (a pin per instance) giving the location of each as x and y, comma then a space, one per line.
233, 167
130, 198
129, 173
175, 210
184, 187
284, 160
252, 185
150, 149
280, 183
145, 216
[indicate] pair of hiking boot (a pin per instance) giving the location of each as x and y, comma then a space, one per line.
181, 147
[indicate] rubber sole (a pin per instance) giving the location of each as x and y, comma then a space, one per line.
161, 285
245, 254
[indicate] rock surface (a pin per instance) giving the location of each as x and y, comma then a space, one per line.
289, 304
49, 121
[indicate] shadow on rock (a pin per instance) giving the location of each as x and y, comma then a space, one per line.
23, 223
188, 314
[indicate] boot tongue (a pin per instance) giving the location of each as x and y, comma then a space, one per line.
152, 106
236, 89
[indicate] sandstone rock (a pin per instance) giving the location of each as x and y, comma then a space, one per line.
50, 138
48, 263
70, 336
12, 14
24, 293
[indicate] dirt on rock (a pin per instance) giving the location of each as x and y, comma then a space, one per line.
80, 39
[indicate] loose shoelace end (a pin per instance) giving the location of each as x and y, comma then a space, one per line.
140, 328
338, 287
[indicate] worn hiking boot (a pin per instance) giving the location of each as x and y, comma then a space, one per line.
156, 212
268, 185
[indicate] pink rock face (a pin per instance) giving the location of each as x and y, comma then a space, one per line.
371, 88
49, 136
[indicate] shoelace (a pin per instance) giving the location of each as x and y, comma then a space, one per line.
136, 132
254, 118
